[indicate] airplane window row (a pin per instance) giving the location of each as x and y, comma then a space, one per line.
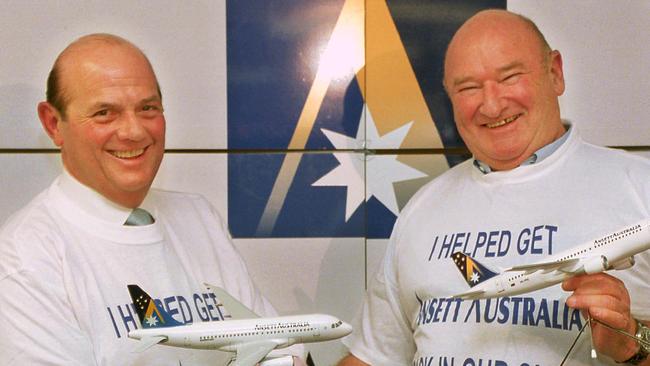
602, 242
209, 338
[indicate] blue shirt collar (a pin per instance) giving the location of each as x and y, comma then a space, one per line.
538, 156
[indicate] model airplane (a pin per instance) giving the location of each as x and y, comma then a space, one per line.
248, 335
612, 251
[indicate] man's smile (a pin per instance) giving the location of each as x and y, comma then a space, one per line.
127, 154
503, 121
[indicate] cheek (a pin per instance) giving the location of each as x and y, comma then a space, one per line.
87, 137
156, 129
522, 93
98, 136
464, 110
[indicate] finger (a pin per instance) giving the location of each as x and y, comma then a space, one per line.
595, 285
575, 282
588, 302
614, 319
606, 309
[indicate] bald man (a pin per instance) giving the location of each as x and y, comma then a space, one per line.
532, 189
67, 257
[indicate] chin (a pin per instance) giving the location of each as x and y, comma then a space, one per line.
133, 185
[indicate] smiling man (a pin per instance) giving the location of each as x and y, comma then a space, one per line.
67, 257
104, 111
532, 189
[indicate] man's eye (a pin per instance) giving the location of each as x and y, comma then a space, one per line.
101, 113
467, 88
512, 78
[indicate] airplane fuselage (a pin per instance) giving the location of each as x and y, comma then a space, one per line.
612, 251
227, 335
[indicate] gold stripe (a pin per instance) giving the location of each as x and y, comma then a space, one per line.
392, 91
350, 21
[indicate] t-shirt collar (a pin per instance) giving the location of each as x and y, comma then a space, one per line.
538, 156
90, 201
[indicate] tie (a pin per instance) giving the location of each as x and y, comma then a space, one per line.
139, 217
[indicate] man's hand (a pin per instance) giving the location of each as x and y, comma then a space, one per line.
350, 360
297, 361
606, 299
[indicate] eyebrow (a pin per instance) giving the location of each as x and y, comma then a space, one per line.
503, 69
153, 98
510, 66
100, 105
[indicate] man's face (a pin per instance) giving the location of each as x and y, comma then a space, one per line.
113, 137
504, 93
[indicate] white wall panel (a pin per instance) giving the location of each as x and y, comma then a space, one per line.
307, 276
205, 174
185, 42
22, 177
604, 44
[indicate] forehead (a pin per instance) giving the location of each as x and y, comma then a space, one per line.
489, 44
96, 65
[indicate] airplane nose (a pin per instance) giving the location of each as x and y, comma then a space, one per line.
345, 329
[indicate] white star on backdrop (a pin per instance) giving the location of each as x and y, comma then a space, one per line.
381, 170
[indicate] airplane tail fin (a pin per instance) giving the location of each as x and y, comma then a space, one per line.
473, 271
150, 315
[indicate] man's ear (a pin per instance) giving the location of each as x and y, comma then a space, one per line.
557, 73
50, 118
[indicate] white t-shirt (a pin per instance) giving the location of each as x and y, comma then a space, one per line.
502, 219
66, 259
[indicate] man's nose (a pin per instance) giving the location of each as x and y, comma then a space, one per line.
493, 102
131, 127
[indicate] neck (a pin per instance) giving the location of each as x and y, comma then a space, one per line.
551, 136
128, 199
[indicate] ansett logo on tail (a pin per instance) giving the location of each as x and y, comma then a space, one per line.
473, 271
148, 312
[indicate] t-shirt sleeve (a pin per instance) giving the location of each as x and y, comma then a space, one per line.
38, 326
381, 333
636, 278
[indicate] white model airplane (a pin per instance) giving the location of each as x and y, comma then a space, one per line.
248, 335
612, 251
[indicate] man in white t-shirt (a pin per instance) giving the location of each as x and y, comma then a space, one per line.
67, 257
531, 190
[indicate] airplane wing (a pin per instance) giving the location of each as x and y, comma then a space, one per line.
248, 354
147, 342
469, 295
236, 309
567, 265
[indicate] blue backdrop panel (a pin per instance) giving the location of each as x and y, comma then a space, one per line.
307, 211
273, 53
273, 49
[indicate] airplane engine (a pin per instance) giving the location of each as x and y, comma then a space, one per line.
624, 263
280, 361
596, 265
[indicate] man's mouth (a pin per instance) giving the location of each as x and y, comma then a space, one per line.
127, 154
504, 121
